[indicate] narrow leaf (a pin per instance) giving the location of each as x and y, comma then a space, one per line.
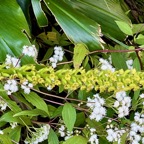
39, 14
69, 116
76, 140
78, 27
136, 64
52, 138
36, 101
80, 51
34, 112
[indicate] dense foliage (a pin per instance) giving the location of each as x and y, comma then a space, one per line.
71, 72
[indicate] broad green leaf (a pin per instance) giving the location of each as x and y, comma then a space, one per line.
52, 138
76, 140
118, 59
80, 51
36, 101
78, 27
136, 64
15, 134
104, 12
31, 113
12, 35
39, 14
124, 27
5, 139
69, 116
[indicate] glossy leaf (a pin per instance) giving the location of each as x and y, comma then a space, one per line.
76, 140
104, 12
80, 51
69, 116
36, 101
12, 35
78, 27
39, 14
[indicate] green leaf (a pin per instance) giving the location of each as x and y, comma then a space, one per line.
52, 138
15, 134
86, 30
69, 116
4, 139
39, 14
80, 51
135, 99
118, 59
80, 119
104, 12
34, 112
139, 39
136, 64
124, 138
36, 101
12, 25
76, 140
125, 27
8, 117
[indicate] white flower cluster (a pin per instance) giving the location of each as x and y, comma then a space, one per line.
122, 103
65, 133
30, 51
114, 134
137, 129
26, 87
129, 64
11, 61
93, 136
58, 56
40, 135
105, 65
96, 105
3, 104
11, 86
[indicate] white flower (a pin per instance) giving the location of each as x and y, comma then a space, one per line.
30, 51
11, 86
11, 61
1, 132
96, 105
93, 139
13, 125
142, 95
116, 104
26, 87
106, 65
129, 64
49, 88
58, 56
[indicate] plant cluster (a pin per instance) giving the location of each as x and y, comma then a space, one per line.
69, 78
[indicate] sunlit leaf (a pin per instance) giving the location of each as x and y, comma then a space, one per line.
80, 51
52, 138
